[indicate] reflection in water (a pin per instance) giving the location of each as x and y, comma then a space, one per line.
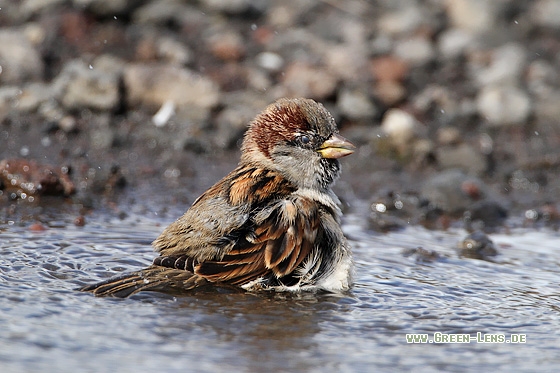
258, 327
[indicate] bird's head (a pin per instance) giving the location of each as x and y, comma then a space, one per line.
299, 138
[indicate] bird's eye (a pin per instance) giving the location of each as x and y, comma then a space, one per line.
304, 139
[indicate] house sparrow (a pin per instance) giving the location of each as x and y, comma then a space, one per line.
271, 224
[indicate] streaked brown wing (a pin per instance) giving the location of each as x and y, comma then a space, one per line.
283, 237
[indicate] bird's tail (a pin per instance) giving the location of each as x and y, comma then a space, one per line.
155, 278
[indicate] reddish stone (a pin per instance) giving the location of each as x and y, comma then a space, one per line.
389, 68
33, 178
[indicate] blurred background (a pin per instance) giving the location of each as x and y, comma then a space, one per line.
451, 102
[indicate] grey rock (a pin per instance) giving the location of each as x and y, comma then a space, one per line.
507, 65
101, 135
477, 245
356, 105
400, 126
401, 21
453, 42
173, 51
546, 13
547, 109
19, 60
9, 97
155, 84
33, 95
28, 8
82, 86
503, 105
306, 80
444, 191
453, 192
270, 61
462, 156
161, 12
476, 16
416, 50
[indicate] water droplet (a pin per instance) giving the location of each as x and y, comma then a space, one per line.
46, 141
380, 207
24, 151
531, 214
536, 133
253, 27
90, 67
114, 17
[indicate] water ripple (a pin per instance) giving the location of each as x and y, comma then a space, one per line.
48, 326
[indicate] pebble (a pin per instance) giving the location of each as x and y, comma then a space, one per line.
547, 109
390, 92
157, 12
546, 13
87, 87
29, 8
507, 64
356, 105
173, 51
504, 105
400, 126
541, 78
155, 84
403, 21
9, 97
19, 60
389, 68
344, 60
448, 136
416, 50
270, 61
454, 42
462, 156
477, 245
28, 178
33, 95
477, 16
305, 80
454, 192
227, 46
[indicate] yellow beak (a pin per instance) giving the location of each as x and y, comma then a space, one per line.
336, 147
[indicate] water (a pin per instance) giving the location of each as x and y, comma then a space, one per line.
47, 326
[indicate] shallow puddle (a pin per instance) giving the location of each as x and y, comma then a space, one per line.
48, 326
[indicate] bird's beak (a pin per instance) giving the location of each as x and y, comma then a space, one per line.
336, 147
